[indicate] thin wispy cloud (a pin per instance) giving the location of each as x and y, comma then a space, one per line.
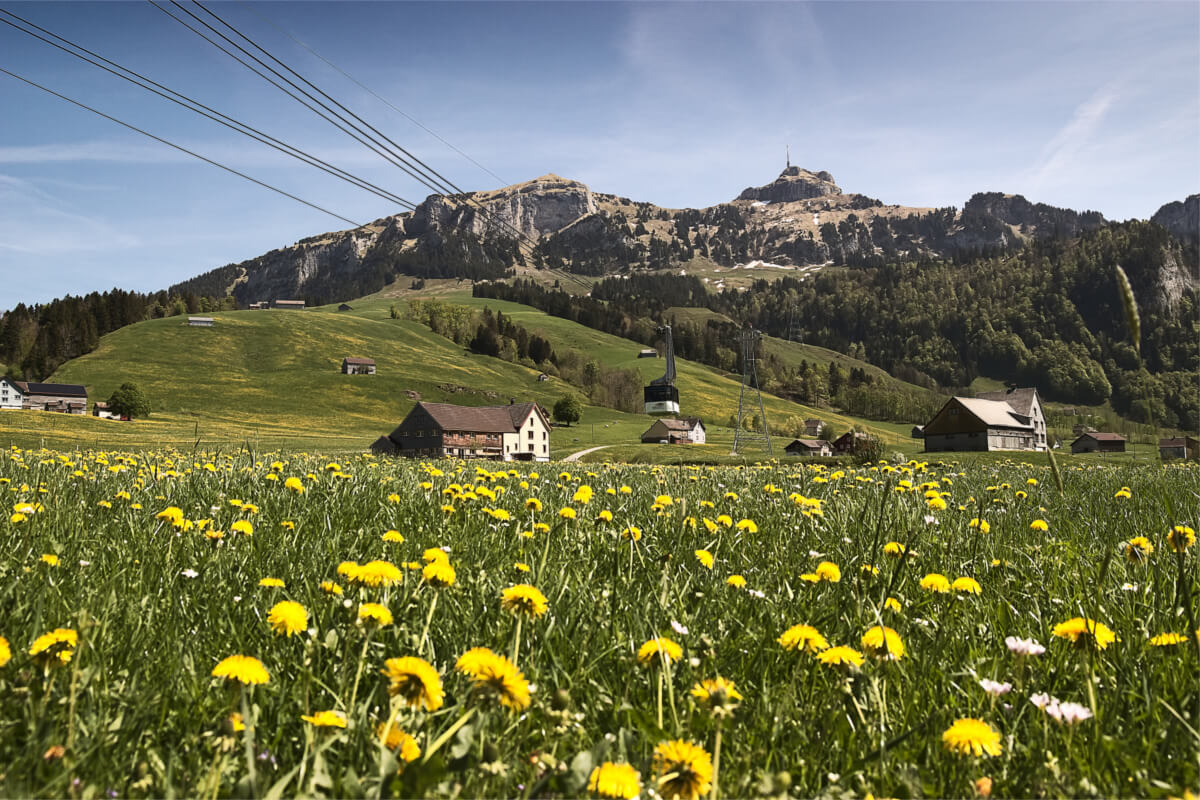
1060, 157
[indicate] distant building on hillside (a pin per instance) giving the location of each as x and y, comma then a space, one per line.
64, 398
345, 307
648, 352
101, 410
917, 432
809, 447
1099, 443
812, 428
1180, 447
260, 306
358, 366
515, 432
200, 322
849, 442
1011, 420
675, 431
292, 304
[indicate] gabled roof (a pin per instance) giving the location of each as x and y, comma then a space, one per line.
995, 412
687, 424
1178, 441
60, 389
1021, 400
478, 419
808, 444
1102, 437
366, 362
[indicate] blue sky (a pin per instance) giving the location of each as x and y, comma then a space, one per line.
1083, 105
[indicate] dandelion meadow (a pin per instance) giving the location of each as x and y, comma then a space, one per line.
232, 624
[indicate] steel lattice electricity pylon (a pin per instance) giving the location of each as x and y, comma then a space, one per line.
750, 339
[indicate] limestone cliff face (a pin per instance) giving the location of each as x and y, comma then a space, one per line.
793, 184
1181, 219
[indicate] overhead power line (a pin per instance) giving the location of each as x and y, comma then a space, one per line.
345, 120
141, 81
180, 148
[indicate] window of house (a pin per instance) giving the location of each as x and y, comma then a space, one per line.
543, 436
530, 434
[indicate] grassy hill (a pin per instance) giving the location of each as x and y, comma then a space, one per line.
271, 379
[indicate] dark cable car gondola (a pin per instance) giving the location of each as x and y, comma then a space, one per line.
661, 396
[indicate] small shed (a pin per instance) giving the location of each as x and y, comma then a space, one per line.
648, 352
1099, 443
262, 305
345, 307
1187, 447
101, 410
812, 428
200, 322
297, 305
675, 431
809, 447
542, 377
917, 432
358, 366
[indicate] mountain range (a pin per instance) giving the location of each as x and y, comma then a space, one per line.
800, 219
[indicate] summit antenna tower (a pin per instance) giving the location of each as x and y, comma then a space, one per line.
750, 338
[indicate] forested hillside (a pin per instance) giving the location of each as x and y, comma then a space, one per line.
1047, 315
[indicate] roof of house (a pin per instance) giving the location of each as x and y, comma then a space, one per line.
1020, 399
994, 412
367, 362
59, 389
289, 302
812, 422
686, 424
1177, 441
480, 419
200, 319
809, 444
1102, 437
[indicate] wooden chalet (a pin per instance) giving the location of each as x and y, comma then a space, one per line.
345, 307
101, 410
358, 366
809, 447
812, 428
515, 432
200, 322
1099, 443
1187, 447
675, 431
649, 352
296, 305
849, 442
988, 423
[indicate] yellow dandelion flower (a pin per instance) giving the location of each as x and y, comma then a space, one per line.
533, 504
1039, 525
287, 618
736, 580
892, 604
415, 681
524, 599
375, 614
1167, 639
439, 574
496, 678
1138, 550
582, 495
935, 582
829, 571
632, 532
682, 769
966, 585
718, 695
243, 669
172, 514
393, 536
397, 740
271, 583
1085, 632
604, 516
615, 781
981, 524
5, 651
893, 549
242, 526
841, 656
705, 558
803, 637
566, 512
56, 647
657, 650
329, 587
294, 484
725, 520
435, 554
325, 719
50, 559
1181, 537
747, 525
883, 642
969, 736
377, 573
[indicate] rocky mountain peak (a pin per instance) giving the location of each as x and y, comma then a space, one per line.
794, 183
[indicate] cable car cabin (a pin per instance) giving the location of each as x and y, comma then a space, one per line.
661, 399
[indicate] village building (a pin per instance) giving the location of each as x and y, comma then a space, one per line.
809, 447
1187, 447
292, 304
675, 431
649, 352
542, 377
515, 432
200, 322
64, 398
358, 366
812, 428
849, 442
345, 307
260, 306
1011, 420
1099, 443
917, 432
101, 410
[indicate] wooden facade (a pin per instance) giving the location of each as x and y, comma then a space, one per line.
1099, 443
516, 432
